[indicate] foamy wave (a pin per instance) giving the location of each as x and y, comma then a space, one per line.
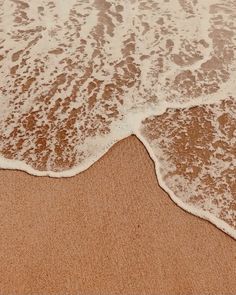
78, 76
195, 154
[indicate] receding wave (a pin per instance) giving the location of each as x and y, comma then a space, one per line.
78, 76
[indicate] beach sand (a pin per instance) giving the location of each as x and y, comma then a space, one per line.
109, 230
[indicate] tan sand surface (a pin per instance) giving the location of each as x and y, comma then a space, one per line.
109, 230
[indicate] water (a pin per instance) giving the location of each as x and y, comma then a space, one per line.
78, 76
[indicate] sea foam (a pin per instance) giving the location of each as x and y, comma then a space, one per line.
78, 76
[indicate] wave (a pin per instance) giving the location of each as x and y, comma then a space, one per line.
78, 76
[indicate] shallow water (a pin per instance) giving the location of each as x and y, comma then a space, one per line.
78, 76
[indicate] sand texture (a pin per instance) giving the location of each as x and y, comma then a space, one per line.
109, 230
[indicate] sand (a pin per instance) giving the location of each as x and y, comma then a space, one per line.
108, 230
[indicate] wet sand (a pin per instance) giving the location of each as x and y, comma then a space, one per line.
109, 230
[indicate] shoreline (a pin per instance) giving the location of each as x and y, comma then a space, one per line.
108, 230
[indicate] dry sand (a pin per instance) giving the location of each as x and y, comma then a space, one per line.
109, 230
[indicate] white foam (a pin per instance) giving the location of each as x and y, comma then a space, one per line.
194, 155
78, 76
225, 227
